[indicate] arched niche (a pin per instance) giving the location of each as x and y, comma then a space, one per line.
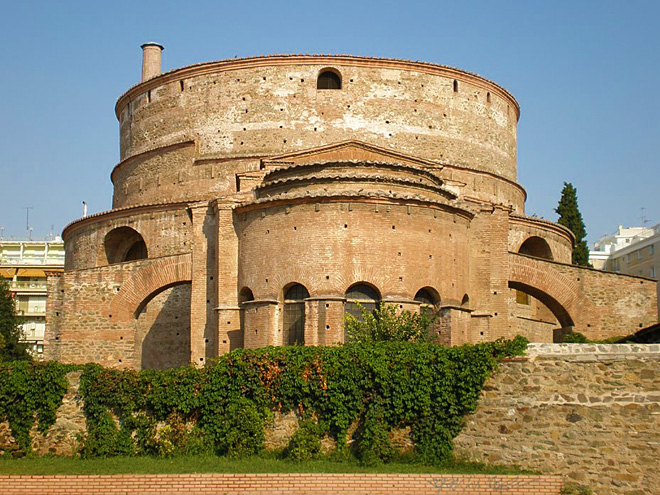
124, 244
162, 328
427, 297
361, 295
537, 247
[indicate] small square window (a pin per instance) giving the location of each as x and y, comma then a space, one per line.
652, 249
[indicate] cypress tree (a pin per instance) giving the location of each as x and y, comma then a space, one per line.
11, 349
570, 216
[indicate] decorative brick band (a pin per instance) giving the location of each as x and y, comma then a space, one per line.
290, 484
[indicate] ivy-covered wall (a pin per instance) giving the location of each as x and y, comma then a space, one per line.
590, 412
362, 392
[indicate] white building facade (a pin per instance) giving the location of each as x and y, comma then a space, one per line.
24, 264
631, 251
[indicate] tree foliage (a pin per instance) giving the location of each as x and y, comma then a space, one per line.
386, 325
570, 217
11, 348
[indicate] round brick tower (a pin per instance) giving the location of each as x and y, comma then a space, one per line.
258, 200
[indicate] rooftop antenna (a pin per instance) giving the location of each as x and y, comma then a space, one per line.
644, 219
84, 208
2, 233
27, 218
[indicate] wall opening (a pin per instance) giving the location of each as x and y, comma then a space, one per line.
124, 244
549, 302
162, 328
329, 79
294, 315
361, 295
427, 297
537, 247
245, 295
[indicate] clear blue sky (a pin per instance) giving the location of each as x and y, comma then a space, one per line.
586, 74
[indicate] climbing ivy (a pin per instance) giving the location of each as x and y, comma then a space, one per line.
31, 392
225, 406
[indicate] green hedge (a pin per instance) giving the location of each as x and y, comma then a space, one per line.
426, 387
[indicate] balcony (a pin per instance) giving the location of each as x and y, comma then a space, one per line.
28, 286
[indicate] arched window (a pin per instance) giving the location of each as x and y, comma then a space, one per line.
428, 298
425, 297
465, 302
294, 315
537, 247
328, 79
124, 244
361, 295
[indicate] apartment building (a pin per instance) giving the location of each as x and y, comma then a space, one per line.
25, 263
631, 251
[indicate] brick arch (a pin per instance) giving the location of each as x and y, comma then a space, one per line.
561, 294
145, 282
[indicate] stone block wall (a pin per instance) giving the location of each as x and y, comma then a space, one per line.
589, 412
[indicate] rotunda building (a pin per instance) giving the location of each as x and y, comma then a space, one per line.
258, 200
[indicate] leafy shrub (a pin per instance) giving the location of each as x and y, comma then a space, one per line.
11, 347
305, 444
575, 338
573, 489
240, 429
385, 324
372, 438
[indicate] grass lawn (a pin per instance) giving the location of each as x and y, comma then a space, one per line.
212, 464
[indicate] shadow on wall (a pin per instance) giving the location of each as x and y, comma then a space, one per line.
163, 329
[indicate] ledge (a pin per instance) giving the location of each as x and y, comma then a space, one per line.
593, 352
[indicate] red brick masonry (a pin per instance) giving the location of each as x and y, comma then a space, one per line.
283, 484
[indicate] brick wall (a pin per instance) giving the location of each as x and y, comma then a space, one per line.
93, 318
292, 483
598, 304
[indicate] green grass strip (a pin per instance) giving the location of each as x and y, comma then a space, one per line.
214, 464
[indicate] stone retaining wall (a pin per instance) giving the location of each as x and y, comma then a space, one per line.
589, 412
